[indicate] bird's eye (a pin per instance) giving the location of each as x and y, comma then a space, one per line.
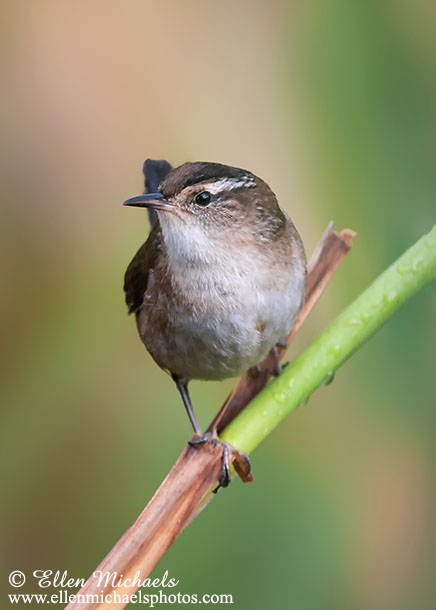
203, 198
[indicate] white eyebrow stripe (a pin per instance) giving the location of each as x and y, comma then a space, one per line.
228, 184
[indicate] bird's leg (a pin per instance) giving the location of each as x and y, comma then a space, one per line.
278, 367
182, 386
277, 370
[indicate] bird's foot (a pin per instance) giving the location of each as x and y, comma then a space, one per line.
241, 463
240, 460
224, 479
278, 366
272, 365
201, 439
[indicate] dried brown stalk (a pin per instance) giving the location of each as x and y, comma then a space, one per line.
197, 469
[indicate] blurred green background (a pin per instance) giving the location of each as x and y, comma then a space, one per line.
333, 104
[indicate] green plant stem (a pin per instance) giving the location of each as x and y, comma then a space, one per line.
318, 363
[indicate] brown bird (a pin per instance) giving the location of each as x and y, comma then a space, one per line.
221, 277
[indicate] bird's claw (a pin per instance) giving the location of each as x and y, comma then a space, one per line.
201, 439
240, 460
276, 367
212, 437
224, 479
241, 464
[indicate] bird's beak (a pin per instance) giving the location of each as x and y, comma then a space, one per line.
156, 201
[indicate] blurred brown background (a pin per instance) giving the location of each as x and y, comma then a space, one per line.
333, 104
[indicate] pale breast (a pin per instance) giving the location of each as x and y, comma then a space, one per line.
217, 324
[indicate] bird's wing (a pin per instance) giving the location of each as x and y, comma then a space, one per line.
137, 274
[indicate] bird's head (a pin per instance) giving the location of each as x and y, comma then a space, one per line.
218, 200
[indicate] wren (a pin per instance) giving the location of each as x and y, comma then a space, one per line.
221, 278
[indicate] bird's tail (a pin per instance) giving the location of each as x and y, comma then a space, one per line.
154, 173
